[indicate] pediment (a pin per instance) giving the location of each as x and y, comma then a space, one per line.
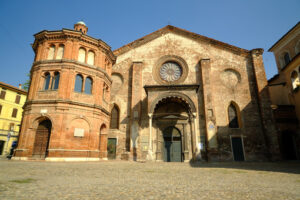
178, 31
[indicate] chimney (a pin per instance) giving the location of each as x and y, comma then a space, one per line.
20, 86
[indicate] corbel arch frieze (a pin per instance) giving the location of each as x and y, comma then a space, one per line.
185, 98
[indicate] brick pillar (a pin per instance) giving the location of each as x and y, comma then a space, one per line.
207, 102
136, 97
265, 110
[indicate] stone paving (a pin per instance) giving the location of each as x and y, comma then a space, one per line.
136, 180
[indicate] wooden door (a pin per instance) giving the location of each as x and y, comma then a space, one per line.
111, 148
42, 137
237, 149
172, 145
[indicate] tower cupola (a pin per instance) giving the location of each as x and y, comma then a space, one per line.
81, 26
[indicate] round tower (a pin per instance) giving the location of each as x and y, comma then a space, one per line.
66, 115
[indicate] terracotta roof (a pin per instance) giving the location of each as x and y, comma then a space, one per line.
178, 31
294, 27
7, 86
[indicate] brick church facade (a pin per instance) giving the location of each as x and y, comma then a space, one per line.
172, 95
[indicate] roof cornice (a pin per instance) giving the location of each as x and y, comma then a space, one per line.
13, 88
68, 33
179, 31
290, 32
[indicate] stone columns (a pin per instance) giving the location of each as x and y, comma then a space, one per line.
185, 142
149, 156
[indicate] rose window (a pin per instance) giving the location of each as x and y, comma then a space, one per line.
170, 71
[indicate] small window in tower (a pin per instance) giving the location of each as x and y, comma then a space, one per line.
55, 81
286, 58
47, 81
14, 113
60, 52
81, 55
78, 83
91, 58
88, 85
51, 53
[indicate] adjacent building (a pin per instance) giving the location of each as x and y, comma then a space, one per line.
170, 96
12, 100
285, 92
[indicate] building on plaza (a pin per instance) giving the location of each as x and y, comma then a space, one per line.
285, 92
12, 100
172, 95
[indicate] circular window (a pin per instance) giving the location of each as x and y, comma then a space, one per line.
170, 71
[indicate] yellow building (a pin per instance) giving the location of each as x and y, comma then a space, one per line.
284, 90
12, 100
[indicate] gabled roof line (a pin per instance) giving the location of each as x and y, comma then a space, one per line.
177, 30
270, 50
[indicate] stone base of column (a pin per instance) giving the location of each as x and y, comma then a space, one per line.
150, 156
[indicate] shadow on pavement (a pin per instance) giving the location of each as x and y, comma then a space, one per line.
282, 166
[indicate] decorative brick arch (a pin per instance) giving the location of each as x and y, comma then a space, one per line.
35, 123
83, 118
185, 98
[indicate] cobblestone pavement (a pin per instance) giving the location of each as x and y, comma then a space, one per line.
135, 180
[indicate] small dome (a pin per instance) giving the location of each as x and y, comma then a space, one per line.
81, 22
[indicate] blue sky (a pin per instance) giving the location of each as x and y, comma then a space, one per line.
246, 24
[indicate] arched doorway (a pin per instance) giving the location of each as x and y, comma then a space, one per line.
288, 146
173, 130
42, 137
172, 145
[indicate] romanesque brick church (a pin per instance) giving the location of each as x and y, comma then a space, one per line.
171, 96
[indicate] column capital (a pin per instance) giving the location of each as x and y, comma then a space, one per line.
150, 115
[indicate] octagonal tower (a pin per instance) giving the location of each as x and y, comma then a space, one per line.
66, 115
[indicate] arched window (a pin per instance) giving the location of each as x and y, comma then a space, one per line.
91, 58
47, 81
60, 52
78, 83
233, 116
55, 81
51, 52
286, 58
295, 79
88, 85
81, 55
114, 118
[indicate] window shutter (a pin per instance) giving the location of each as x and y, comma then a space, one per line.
18, 97
14, 113
0, 109
2, 94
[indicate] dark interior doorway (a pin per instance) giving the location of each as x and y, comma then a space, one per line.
172, 145
288, 146
237, 149
41, 142
1, 146
111, 148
